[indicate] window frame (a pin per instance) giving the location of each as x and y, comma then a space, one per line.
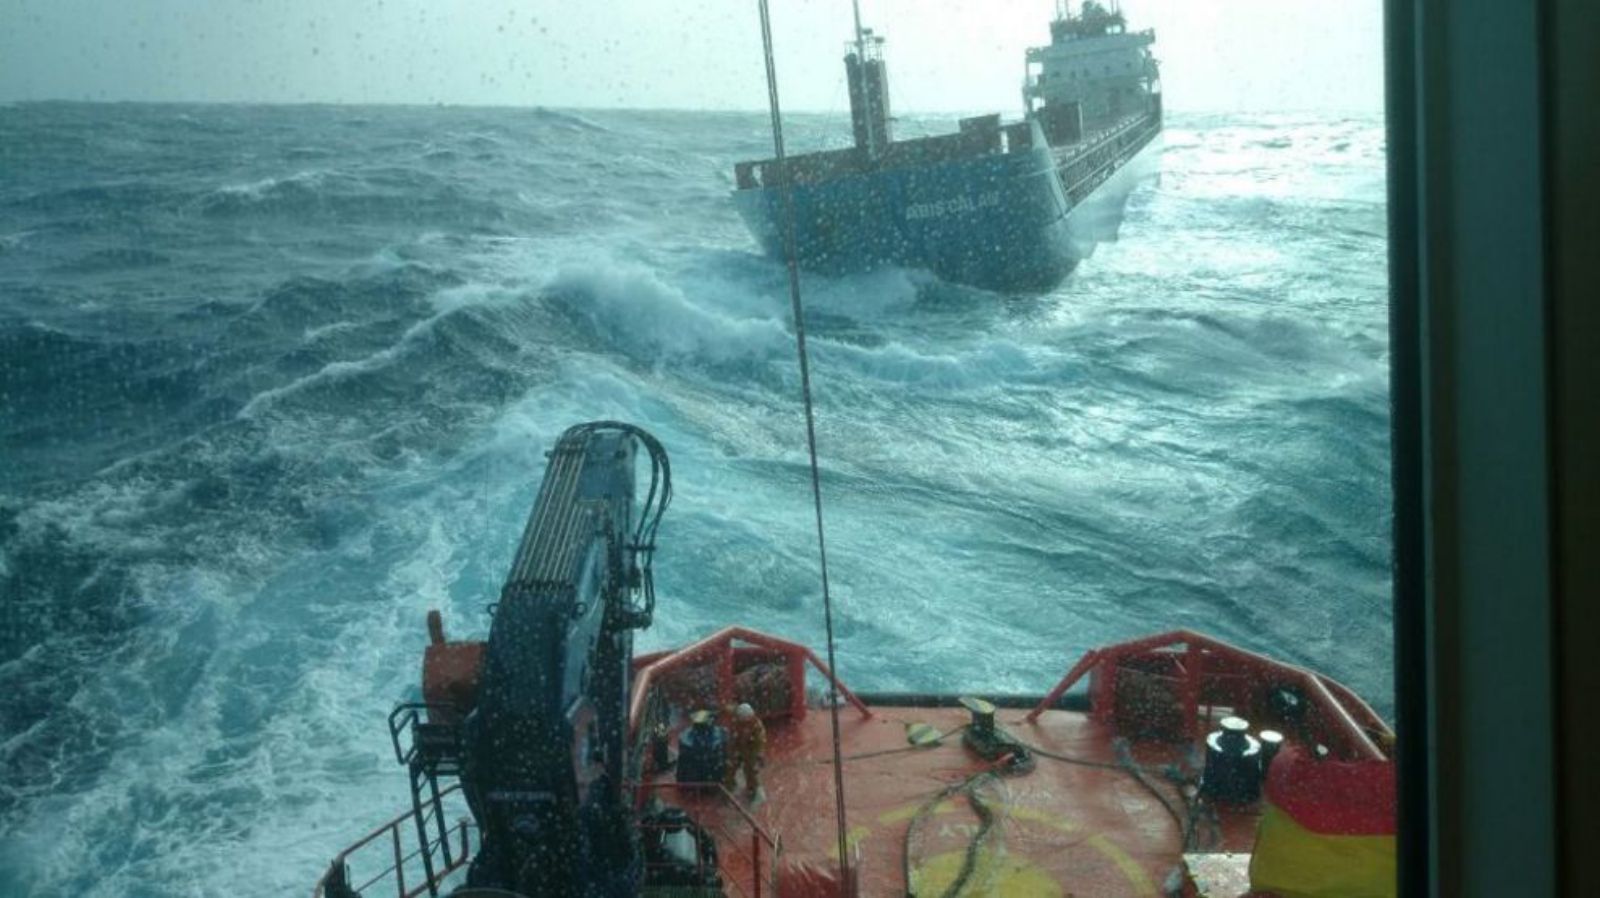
1494, 213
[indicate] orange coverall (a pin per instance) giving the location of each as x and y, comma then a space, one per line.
748, 741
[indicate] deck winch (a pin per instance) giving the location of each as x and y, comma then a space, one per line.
988, 741
1233, 764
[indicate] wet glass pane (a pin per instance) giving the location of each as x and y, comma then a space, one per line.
296, 299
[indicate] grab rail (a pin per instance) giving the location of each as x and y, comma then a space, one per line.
762, 844
335, 883
762, 855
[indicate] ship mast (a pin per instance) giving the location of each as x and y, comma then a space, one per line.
861, 41
861, 55
869, 89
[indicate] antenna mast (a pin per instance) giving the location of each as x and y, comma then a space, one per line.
861, 41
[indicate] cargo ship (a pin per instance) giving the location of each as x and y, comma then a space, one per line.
549, 760
1008, 206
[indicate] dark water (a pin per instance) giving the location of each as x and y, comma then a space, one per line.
274, 381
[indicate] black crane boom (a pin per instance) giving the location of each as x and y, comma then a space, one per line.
545, 750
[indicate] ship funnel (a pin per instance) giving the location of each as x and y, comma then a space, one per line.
869, 93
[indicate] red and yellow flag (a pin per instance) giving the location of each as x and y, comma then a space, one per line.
1327, 829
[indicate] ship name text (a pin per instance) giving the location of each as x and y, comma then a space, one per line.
952, 206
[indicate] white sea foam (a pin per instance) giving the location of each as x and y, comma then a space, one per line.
334, 372
656, 320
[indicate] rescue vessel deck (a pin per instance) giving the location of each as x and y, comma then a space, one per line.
1101, 792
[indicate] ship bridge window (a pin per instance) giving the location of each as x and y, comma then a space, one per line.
278, 366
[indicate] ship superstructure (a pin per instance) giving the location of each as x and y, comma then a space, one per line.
1094, 63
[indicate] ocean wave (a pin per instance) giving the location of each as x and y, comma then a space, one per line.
452, 347
301, 302
44, 369
291, 192
568, 120
116, 259
121, 197
380, 194
336, 372
635, 311
993, 364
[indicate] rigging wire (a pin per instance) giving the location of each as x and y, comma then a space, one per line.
785, 192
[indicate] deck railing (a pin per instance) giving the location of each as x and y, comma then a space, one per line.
1201, 667
1087, 165
747, 860
398, 842
756, 850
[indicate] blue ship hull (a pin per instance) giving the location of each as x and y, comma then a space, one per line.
1014, 222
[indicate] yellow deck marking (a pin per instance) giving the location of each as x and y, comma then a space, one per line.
993, 876
1039, 815
906, 812
1017, 877
1129, 867
851, 838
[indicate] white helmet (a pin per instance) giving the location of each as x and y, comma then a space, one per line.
744, 711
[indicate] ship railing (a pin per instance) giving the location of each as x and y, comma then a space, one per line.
755, 850
718, 658
1084, 169
390, 856
1203, 673
1129, 124
391, 850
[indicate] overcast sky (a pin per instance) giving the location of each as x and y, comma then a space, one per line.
944, 55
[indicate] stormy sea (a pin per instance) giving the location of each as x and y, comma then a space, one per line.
274, 381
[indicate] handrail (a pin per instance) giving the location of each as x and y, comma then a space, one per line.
764, 854
758, 833
1142, 128
392, 828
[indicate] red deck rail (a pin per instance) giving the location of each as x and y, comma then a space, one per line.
1349, 725
718, 648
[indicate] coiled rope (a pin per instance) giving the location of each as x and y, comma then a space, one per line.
968, 787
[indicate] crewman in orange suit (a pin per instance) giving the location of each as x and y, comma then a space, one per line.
748, 742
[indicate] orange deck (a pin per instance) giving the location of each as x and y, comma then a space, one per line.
1079, 823
1062, 829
